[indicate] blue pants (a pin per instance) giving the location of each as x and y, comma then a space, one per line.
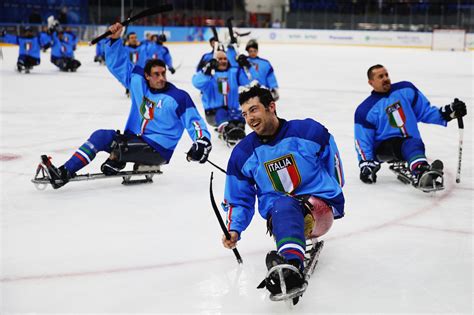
224, 114
100, 140
287, 217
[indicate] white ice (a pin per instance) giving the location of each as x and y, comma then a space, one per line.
101, 247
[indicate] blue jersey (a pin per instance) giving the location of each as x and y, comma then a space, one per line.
393, 114
29, 46
159, 116
156, 51
302, 159
45, 40
61, 48
137, 54
265, 74
220, 89
71, 38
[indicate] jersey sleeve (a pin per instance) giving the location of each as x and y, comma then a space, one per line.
117, 61
332, 162
271, 78
424, 111
191, 119
167, 57
232, 56
239, 196
201, 80
364, 134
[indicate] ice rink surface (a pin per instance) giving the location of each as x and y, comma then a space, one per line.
101, 247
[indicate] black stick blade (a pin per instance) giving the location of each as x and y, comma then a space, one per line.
148, 12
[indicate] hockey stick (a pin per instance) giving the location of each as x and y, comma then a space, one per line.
144, 13
461, 136
233, 41
219, 218
216, 166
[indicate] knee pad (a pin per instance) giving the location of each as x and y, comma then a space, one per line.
137, 151
322, 215
211, 117
390, 150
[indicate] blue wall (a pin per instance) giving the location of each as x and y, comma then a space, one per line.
175, 33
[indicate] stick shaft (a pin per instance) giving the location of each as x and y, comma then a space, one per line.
461, 136
221, 222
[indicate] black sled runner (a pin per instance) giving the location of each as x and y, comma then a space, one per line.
276, 280
430, 181
42, 177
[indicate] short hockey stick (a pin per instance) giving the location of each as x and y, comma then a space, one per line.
461, 136
221, 222
142, 14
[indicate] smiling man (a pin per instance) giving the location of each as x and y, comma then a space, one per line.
294, 169
386, 126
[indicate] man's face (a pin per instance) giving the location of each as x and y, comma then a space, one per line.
157, 77
222, 60
253, 52
380, 80
260, 119
132, 39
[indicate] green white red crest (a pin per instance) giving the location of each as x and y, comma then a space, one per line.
283, 173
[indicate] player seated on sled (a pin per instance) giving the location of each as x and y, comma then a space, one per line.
294, 170
386, 127
160, 112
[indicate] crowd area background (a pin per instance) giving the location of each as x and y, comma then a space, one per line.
383, 15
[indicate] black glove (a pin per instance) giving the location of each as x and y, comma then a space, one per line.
454, 110
368, 171
199, 150
3, 33
243, 61
211, 65
172, 70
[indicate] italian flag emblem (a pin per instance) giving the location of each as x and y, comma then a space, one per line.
223, 86
147, 110
283, 174
27, 46
397, 117
134, 57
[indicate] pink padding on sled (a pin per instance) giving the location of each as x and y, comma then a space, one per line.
323, 217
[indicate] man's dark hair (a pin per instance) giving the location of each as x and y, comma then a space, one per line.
211, 39
264, 95
150, 63
369, 72
131, 33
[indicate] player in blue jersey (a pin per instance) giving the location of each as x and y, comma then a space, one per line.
265, 74
219, 85
62, 51
156, 50
294, 170
136, 51
30, 46
159, 114
386, 125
